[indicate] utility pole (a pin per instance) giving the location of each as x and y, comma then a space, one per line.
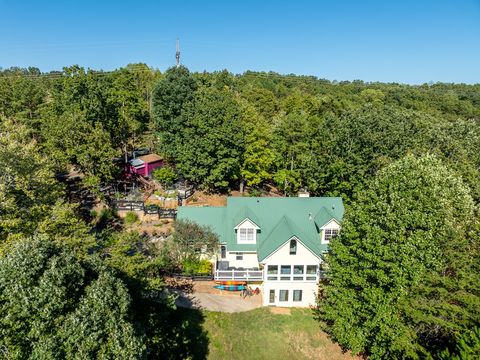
177, 54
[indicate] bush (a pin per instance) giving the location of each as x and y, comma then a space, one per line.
197, 267
164, 175
106, 215
131, 218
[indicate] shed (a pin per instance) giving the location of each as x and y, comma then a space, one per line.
144, 165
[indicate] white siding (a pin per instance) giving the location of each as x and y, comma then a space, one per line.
309, 291
250, 260
281, 257
247, 225
331, 225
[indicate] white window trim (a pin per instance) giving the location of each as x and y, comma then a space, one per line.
250, 229
331, 225
323, 234
247, 220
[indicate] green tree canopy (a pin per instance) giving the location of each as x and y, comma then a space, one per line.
54, 306
400, 281
190, 241
170, 96
213, 139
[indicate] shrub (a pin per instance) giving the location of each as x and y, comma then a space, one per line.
131, 218
165, 175
194, 266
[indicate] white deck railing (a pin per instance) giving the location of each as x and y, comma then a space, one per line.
239, 275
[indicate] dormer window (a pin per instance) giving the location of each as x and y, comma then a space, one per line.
293, 247
330, 234
329, 231
247, 235
246, 232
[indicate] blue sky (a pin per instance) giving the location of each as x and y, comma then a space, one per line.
391, 40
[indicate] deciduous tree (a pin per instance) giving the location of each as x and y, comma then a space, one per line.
401, 282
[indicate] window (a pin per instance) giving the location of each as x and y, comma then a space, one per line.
272, 272
243, 235
246, 235
285, 270
298, 270
297, 295
293, 247
311, 272
250, 234
272, 296
238, 256
329, 234
223, 252
283, 295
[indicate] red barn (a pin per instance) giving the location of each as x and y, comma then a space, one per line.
144, 165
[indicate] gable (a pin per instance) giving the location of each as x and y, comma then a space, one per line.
247, 223
325, 215
282, 253
332, 224
284, 230
278, 219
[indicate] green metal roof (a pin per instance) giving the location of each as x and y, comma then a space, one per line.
284, 231
324, 216
279, 218
246, 213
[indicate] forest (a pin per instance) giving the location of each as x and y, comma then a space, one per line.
404, 274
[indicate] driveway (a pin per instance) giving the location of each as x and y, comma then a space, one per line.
207, 298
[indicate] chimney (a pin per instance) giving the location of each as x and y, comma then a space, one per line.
303, 193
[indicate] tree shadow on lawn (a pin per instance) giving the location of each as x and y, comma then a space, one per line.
176, 333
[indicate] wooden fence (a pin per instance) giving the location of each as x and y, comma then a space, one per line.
161, 212
184, 194
130, 205
198, 277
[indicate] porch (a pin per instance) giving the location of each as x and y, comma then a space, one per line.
239, 274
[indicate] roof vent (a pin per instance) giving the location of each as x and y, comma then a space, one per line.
310, 216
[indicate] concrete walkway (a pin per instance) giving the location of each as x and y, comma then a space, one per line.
207, 298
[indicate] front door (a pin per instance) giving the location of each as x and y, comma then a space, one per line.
272, 296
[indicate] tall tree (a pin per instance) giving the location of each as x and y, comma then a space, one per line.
258, 157
400, 281
213, 139
170, 97
28, 188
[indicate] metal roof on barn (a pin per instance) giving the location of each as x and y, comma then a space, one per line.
136, 162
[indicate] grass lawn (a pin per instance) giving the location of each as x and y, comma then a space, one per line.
260, 334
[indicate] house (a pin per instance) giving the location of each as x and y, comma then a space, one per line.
144, 165
273, 243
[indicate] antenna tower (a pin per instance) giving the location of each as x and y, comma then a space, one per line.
177, 54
